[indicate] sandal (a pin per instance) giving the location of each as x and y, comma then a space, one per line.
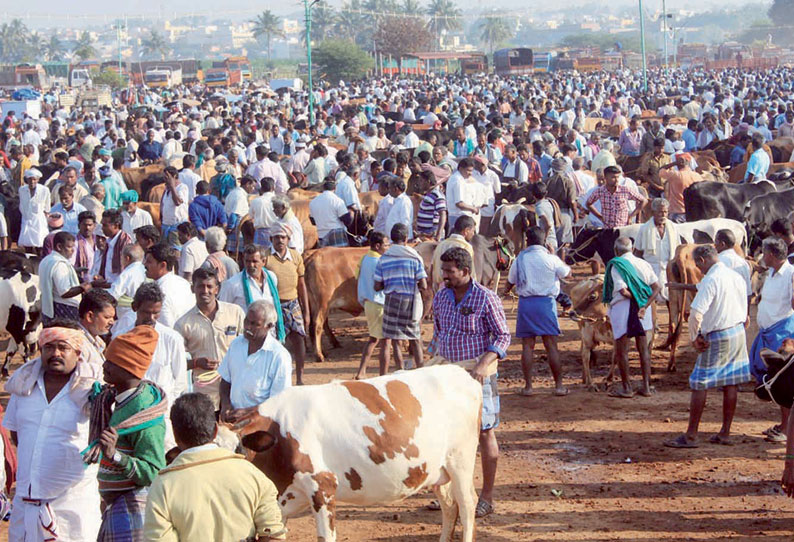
483, 509
434, 505
725, 441
680, 442
774, 428
775, 435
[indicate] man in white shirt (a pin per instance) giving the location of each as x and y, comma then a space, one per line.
60, 286
461, 193
630, 288
133, 217
159, 263
188, 176
194, 251
536, 275
132, 276
256, 366
515, 169
716, 329
253, 283
117, 239
346, 187
490, 186
657, 242
174, 205
301, 157
169, 361
402, 209
48, 414
283, 212
384, 206
725, 243
261, 212
331, 216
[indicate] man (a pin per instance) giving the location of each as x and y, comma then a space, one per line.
346, 187
86, 245
463, 198
514, 169
775, 318
117, 239
130, 461
431, 220
59, 283
173, 205
725, 243
676, 181
331, 216
614, 200
630, 139
133, 274
783, 229
150, 149
657, 242
133, 217
536, 275
261, 213
168, 367
402, 209
256, 366
203, 475
716, 329
604, 158
68, 177
401, 275
93, 202
159, 263
630, 287
490, 188
287, 265
650, 166
194, 251
463, 232
206, 211
253, 283
147, 237
208, 329
218, 260
97, 313
384, 206
113, 188
68, 209
34, 204
470, 329
236, 208
758, 166
48, 418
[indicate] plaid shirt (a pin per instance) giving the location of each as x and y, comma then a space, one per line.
535, 173
468, 329
615, 207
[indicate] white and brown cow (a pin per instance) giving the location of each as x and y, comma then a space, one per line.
590, 313
370, 442
20, 313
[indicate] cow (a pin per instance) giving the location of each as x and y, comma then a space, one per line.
8, 195
134, 176
20, 314
778, 383
736, 175
761, 211
370, 442
331, 283
601, 242
714, 199
590, 314
511, 221
153, 209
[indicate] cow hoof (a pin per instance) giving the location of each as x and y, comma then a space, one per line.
671, 369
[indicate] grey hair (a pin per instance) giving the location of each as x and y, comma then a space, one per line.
659, 203
776, 247
266, 308
608, 145
704, 252
577, 163
215, 239
209, 154
623, 245
133, 251
282, 200
95, 188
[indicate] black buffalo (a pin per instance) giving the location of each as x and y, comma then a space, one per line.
710, 199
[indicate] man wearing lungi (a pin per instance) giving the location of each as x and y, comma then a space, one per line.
775, 317
400, 273
716, 329
630, 287
536, 275
470, 329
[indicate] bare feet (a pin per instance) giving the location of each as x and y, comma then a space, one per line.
561, 391
646, 391
621, 393
527, 392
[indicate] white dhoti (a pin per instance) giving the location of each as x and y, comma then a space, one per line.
660, 268
77, 516
33, 231
619, 318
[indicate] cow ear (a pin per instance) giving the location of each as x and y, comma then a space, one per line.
261, 441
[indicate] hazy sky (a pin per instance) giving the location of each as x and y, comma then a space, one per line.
51, 12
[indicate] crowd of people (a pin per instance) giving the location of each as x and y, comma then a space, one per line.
152, 335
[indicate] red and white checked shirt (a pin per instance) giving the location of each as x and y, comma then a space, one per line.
615, 207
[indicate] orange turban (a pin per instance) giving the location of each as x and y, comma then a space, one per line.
133, 351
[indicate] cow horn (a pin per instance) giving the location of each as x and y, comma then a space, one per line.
521, 200
504, 201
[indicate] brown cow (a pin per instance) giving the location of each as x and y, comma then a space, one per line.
134, 176
737, 173
590, 314
156, 193
332, 284
153, 209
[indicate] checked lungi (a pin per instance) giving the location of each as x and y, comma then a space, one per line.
262, 237
122, 520
335, 238
59, 310
293, 317
724, 363
398, 318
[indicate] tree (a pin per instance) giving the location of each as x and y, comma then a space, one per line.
493, 31
397, 36
268, 25
84, 48
339, 59
155, 45
323, 20
410, 7
110, 78
13, 40
37, 46
782, 11
444, 17
54, 49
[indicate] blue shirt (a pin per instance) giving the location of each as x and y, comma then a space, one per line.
545, 164
690, 140
399, 275
69, 217
737, 155
150, 151
366, 280
206, 211
758, 165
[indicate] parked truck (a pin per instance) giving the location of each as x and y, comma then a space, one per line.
191, 69
31, 108
163, 77
24, 75
221, 77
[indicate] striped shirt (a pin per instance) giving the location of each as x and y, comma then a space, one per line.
399, 275
429, 211
468, 329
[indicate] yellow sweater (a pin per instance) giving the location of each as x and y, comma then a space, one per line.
223, 498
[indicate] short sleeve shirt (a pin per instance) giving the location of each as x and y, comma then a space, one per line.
399, 275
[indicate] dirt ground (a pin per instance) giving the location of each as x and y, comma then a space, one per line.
590, 467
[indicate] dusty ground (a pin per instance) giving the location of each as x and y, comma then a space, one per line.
591, 467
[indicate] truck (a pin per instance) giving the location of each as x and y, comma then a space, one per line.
24, 75
292, 84
236, 63
163, 77
221, 77
80, 76
31, 108
191, 69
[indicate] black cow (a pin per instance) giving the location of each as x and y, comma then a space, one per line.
13, 262
20, 313
779, 380
763, 210
10, 202
600, 241
710, 199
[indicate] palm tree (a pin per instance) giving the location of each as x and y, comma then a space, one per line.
155, 44
37, 46
84, 48
323, 20
493, 31
54, 49
350, 23
12, 40
268, 25
410, 7
444, 17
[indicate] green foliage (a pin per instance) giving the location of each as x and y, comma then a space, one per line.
782, 11
444, 16
84, 48
493, 31
339, 59
602, 41
155, 45
108, 77
267, 25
